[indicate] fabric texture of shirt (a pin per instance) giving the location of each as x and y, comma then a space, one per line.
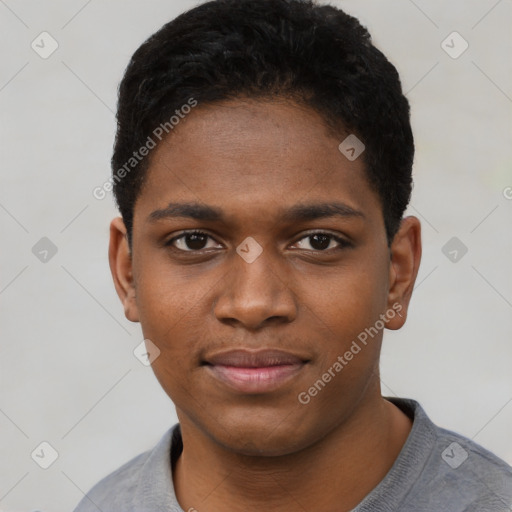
436, 471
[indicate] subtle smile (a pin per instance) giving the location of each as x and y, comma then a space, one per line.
254, 372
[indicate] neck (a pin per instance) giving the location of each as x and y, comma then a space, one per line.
335, 473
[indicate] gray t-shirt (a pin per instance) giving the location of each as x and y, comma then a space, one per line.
436, 471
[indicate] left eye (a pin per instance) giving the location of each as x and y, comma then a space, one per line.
190, 242
321, 242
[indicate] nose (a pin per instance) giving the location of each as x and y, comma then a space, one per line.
256, 294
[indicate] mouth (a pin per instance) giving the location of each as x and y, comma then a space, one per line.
254, 372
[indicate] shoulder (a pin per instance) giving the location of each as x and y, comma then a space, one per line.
459, 471
472, 466
117, 488
439, 469
121, 489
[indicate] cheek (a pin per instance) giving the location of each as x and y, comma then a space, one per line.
347, 300
350, 344
163, 315
166, 295
174, 309
350, 330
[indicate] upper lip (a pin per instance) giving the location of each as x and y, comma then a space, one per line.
244, 358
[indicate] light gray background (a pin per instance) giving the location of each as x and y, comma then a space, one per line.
68, 374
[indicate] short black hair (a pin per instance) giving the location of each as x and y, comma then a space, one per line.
314, 54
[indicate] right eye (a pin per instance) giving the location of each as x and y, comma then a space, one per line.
190, 241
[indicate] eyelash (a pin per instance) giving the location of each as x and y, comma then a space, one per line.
343, 244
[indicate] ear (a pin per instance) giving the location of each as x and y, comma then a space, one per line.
405, 257
120, 260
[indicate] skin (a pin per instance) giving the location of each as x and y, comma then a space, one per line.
248, 452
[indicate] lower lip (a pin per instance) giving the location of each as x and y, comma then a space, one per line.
255, 380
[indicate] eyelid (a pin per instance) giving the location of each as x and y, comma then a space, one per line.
169, 244
343, 242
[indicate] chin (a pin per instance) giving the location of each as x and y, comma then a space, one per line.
252, 446
265, 437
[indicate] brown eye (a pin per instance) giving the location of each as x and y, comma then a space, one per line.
322, 242
191, 241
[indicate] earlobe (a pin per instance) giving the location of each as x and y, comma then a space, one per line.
120, 260
403, 269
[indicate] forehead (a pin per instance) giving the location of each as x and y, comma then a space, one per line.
254, 153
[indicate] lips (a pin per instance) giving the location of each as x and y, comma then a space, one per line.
254, 371
259, 359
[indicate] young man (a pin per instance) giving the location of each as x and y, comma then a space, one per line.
262, 167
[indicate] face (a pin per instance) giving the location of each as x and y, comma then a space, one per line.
259, 257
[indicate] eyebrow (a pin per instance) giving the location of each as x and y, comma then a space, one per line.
304, 212
187, 210
298, 212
